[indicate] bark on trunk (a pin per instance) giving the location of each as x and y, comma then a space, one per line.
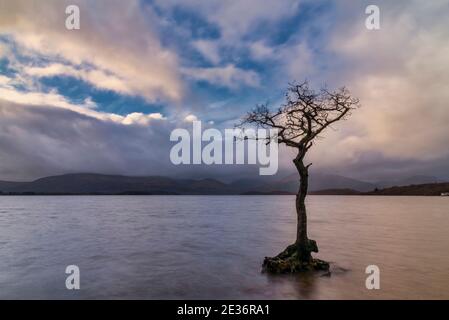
302, 241
298, 256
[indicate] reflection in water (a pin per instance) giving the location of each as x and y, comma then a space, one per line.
306, 285
303, 284
176, 247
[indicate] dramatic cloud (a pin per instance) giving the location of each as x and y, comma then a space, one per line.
55, 100
115, 49
400, 73
97, 78
214, 60
38, 141
43, 140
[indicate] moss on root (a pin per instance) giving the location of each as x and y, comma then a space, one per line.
288, 261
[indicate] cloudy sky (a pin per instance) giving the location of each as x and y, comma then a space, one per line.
106, 97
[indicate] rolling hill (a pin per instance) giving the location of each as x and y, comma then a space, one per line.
88, 183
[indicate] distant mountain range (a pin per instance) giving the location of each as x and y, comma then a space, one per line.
87, 183
319, 181
419, 179
114, 184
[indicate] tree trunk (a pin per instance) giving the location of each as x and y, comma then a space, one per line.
298, 256
302, 241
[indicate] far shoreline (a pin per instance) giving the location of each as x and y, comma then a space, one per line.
141, 194
431, 189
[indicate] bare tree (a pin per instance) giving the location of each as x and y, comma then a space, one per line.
302, 119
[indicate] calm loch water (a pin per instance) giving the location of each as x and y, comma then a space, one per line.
211, 247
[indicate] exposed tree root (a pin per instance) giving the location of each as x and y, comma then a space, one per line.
288, 261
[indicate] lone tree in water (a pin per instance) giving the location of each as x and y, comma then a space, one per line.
302, 119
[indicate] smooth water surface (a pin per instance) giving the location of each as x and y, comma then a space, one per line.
211, 247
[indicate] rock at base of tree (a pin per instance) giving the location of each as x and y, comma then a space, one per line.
288, 262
